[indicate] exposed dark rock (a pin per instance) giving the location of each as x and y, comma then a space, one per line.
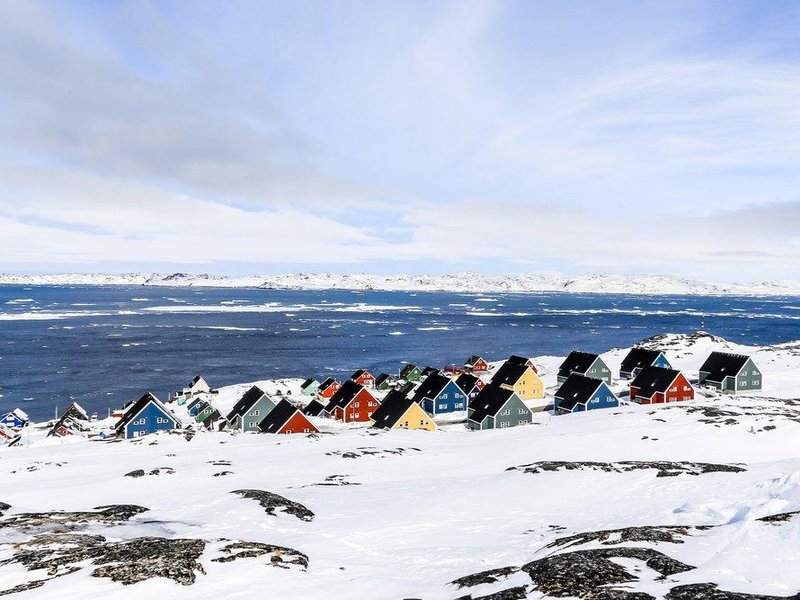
587, 573
220, 463
24, 587
3, 508
629, 534
279, 556
333, 480
162, 470
136, 473
58, 521
780, 517
490, 576
709, 591
369, 451
663, 468
222, 473
144, 558
271, 502
515, 593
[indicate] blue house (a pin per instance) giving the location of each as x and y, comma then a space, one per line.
439, 394
16, 419
639, 358
579, 393
195, 406
146, 415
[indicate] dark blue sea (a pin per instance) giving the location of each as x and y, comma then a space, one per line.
103, 346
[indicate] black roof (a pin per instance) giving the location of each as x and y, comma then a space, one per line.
720, 365
307, 383
407, 369
381, 378
193, 403
518, 360
344, 395
134, 408
313, 408
472, 360
638, 358
407, 387
577, 389
488, 402
654, 379
278, 417
466, 382
578, 362
509, 373
431, 387
326, 384
394, 406
429, 371
244, 404
195, 380
359, 373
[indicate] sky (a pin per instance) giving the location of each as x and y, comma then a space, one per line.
401, 137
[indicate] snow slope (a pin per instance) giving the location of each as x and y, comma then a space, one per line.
403, 514
459, 282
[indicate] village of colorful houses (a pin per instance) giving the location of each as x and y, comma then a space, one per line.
477, 394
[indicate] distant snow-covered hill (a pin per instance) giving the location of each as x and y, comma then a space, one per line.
468, 282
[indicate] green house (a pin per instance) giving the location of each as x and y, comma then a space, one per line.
729, 372
384, 381
497, 408
309, 387
410, 373
586, 364
250, 410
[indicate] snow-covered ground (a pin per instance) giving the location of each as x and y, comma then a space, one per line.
402, 514
468, 282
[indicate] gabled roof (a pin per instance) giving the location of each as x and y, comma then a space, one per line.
307, 383
406, 388
579, 362
639, 358
193, 403
278, 417
394, 406
488, 402
431, 387
654, 379
210, 417
467, 382
359, 373
407, 369
20, 414
382, 378
720, 365
313, 408
250, 397
577, 389
427, 371
344, 395
326, 384
521, 360
77, 411
195, 380
509, 373
135, 408
472, 360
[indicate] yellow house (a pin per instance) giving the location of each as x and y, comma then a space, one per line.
521, 379
398, 412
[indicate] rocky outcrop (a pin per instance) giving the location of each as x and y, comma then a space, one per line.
662, 468
271, 502
279, 556
69, 521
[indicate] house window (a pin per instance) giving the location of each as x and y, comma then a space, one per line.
355, 404
421, 422
459, 405
506, 412
522, 411
442, 406
256, 413
503, 424
252, 424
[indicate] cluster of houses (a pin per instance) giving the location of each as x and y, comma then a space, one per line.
418, 398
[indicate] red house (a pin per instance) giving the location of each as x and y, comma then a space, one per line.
352, 403
328, 388
363, 377
656, 385
286, 418
475, 364
453, 371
